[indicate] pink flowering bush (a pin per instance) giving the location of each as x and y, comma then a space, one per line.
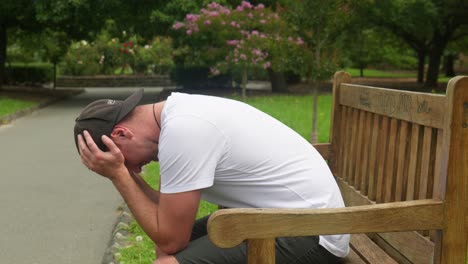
247, 36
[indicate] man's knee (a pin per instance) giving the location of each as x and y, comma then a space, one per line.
166, 260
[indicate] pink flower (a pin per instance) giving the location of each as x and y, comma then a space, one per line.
246, 5
243, 56
207, 22
189, 32
214, 5
257, 52
255, 33
250, 15
240, 8
192, 17
233, 23
299, 41
214, 14
263, 21
232, 42
178, 25
260, 7
214, 71
267, 65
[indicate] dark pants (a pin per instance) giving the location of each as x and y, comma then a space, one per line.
296, 250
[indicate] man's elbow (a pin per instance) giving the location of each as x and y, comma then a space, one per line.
172, 247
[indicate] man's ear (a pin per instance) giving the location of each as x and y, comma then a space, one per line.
120, 133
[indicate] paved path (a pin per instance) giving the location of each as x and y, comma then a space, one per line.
52, 209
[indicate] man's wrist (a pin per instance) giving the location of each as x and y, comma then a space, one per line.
121, 176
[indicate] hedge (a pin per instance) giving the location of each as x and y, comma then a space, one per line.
32, 74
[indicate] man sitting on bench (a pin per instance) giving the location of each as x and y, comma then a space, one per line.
211, 148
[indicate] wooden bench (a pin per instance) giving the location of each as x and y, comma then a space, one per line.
401, 161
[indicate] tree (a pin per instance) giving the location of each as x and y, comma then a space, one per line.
247, 36
451, 54
60, 19
319, 24
427, 26
14, 15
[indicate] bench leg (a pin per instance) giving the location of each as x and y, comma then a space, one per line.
261, 251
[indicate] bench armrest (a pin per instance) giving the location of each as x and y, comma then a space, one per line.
230, 227
324, 149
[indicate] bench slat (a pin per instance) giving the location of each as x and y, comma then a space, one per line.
373, 157
366, 149
412, 169
383, 141
419, 250
353, 149
353, 258
425, 162
401, 175
389, 166
348, 138
369, 251
421, 108
360, 141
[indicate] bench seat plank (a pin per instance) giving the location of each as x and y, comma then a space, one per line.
353, 258
369, 251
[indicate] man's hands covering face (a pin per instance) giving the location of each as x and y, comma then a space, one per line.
109, 164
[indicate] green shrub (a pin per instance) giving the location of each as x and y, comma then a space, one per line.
111, 56
81, 59
31, 74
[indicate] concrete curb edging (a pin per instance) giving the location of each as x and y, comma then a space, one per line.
120, 234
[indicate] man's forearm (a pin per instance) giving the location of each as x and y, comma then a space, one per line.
146, 188
142, 207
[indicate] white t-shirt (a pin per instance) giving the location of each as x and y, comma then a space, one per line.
241, 157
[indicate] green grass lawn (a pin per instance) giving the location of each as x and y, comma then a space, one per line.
293, 110
9, 106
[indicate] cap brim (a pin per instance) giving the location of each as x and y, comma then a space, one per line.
130, 103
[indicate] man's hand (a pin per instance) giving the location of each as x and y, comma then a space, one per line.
109, 164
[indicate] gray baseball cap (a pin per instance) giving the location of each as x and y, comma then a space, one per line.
101, 116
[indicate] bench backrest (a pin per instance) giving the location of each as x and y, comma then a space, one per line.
392, 145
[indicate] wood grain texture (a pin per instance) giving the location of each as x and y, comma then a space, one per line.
420, 108
454, 244
229, 227
401, 175
336, 137
324, 149
261, 251
353, 258
359, 157
369, 251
